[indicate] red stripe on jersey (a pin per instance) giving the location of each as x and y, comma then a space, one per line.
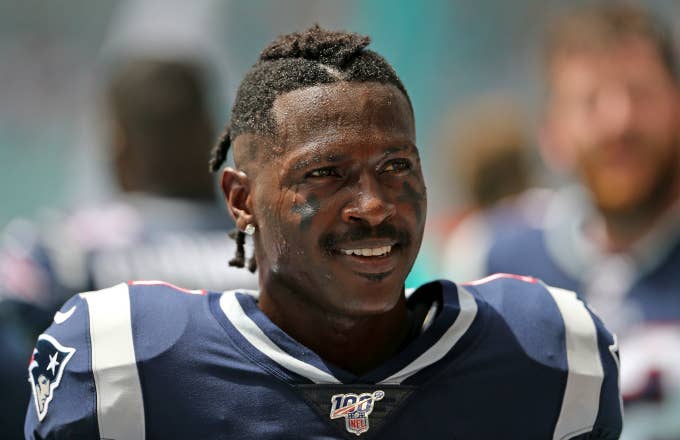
526, 279
163, 283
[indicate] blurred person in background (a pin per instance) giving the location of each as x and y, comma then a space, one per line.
613, 121
164, 224
490, 160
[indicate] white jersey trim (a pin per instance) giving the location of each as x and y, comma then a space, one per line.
581, 399
120, 409
468, 311
255, 336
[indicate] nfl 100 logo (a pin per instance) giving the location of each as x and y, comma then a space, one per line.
355, 409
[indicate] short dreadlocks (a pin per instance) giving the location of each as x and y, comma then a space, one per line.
295, 61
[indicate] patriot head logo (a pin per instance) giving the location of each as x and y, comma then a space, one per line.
45, 370
355, 409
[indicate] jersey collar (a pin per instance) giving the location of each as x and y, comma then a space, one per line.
269, 346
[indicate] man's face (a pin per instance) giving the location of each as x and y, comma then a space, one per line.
340, 207
615, 115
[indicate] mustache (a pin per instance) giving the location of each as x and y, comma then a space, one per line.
630, 140
363, 231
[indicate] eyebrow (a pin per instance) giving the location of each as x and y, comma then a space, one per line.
396, 149
331, 157
317, 159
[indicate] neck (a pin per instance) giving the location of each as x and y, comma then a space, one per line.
619, 232
357, 344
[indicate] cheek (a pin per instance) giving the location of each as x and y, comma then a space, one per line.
305, 210
413, 195
289, 220
665, 157
575, 127
664, 133
273, 231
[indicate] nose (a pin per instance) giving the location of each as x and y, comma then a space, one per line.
615, 110
368, 205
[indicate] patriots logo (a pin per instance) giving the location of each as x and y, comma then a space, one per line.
45, 370
355, 409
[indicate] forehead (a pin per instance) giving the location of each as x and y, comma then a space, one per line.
633, 59
343, 112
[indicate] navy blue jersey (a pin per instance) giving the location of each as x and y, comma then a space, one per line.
635, 292
639, 285
502, 358
136, 236
649, 291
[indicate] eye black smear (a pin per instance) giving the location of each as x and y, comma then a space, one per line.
307, 210
414, 198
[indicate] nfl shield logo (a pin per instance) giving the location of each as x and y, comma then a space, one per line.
357, 423
355, 408
45, 370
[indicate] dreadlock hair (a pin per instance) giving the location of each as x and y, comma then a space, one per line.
313, 57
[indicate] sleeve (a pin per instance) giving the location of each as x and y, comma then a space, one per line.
609, 422
559, 331
63, 398
593, 380
20, 324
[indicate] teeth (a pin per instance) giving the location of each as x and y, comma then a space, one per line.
368, 252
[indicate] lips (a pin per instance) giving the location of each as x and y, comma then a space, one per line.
373, 253
375, 259
368, 251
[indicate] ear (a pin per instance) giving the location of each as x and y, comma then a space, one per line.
236, 188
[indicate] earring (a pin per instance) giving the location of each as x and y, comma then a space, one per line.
250, 229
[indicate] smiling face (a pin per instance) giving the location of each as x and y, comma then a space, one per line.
338, 197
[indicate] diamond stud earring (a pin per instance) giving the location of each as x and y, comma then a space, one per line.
250, 229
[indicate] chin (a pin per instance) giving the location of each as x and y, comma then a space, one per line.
625, 204
372, 298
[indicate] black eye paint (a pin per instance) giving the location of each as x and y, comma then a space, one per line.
317, 158
414, 198
307, 210
392, 150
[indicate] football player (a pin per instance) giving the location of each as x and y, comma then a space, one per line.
612, 121
328, 182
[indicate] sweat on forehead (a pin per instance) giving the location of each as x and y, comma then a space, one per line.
322, 114
374, 105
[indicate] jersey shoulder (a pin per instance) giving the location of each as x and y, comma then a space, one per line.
530, 306
92, 348
59, 374
555, 329
154, 314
